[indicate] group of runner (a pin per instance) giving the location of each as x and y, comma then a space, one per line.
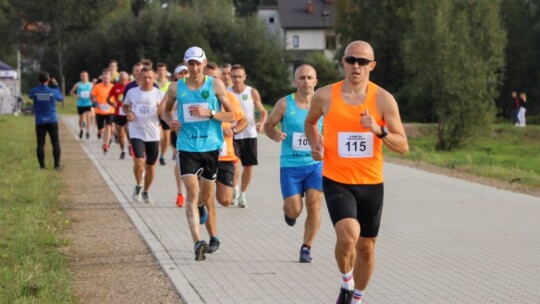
211, 112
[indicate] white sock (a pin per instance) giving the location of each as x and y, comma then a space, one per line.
348, 281
357, 297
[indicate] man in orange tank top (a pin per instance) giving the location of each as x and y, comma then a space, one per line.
359, 117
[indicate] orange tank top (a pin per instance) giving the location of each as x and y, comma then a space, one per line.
352, 153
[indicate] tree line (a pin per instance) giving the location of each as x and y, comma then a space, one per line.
452, 62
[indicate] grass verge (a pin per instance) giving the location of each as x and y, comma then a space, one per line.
32, 266
505, 153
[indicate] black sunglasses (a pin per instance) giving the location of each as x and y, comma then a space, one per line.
361, 61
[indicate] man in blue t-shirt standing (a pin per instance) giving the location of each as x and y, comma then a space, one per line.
45, 99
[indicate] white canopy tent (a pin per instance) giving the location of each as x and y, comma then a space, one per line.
9, 88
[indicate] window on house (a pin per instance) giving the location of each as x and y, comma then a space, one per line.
271, 19
295, 41
331, 42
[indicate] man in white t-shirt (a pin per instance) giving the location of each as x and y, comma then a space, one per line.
140, 105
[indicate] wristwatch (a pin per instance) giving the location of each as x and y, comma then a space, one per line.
384, 132
212, 113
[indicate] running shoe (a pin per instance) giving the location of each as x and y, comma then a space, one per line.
200, 249
146, 198
122, 155
58, 168
180, 200
105, 148
203, 214
81, 134
305, 255
213, 246
87, 135
345, 296
137, 195
242, 202
290, 221
162, 161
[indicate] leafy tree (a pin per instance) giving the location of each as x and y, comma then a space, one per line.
382, 23
327, 71
66, 19
454, 54
522, 73
164, 34
245, 8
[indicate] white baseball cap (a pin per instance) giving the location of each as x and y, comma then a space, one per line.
194, 53
179, 69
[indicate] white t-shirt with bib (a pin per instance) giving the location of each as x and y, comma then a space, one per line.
144, 106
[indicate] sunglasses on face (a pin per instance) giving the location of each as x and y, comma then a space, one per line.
361, 61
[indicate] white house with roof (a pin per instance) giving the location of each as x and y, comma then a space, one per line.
303, 26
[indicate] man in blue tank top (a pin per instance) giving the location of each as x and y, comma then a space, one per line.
300, 175
199, 115
45, 99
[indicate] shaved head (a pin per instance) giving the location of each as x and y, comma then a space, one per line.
359, 47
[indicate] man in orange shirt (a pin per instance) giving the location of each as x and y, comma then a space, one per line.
358, 117
104, 109
226, 162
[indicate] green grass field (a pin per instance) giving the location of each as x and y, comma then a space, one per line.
506, 153
33, 268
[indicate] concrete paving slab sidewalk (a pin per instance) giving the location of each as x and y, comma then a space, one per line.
442, 240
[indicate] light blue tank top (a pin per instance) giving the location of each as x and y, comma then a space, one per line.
295, 149
198, 134
83, 91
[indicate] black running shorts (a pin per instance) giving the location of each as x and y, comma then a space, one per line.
82, 110
361, 202
164, 125
103, 120
246, 150
120, 120
225, 173
149, 148
203, 164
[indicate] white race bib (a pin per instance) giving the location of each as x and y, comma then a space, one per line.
223, 150
300, 142
355, 144
190, 118
142, 110
85, 94
104, 107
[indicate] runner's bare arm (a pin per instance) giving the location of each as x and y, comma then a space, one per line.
275, 118
166, 106
396, 140
221, 93
317, 109
258, 104
73, 90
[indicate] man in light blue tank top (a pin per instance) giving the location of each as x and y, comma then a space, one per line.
199, 114
300, 175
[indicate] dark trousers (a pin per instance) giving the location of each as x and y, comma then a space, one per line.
41, 133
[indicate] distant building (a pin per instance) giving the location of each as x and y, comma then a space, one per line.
9, 88
303, 26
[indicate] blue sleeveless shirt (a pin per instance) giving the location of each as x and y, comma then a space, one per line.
83, 91
295, 149
198, 134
